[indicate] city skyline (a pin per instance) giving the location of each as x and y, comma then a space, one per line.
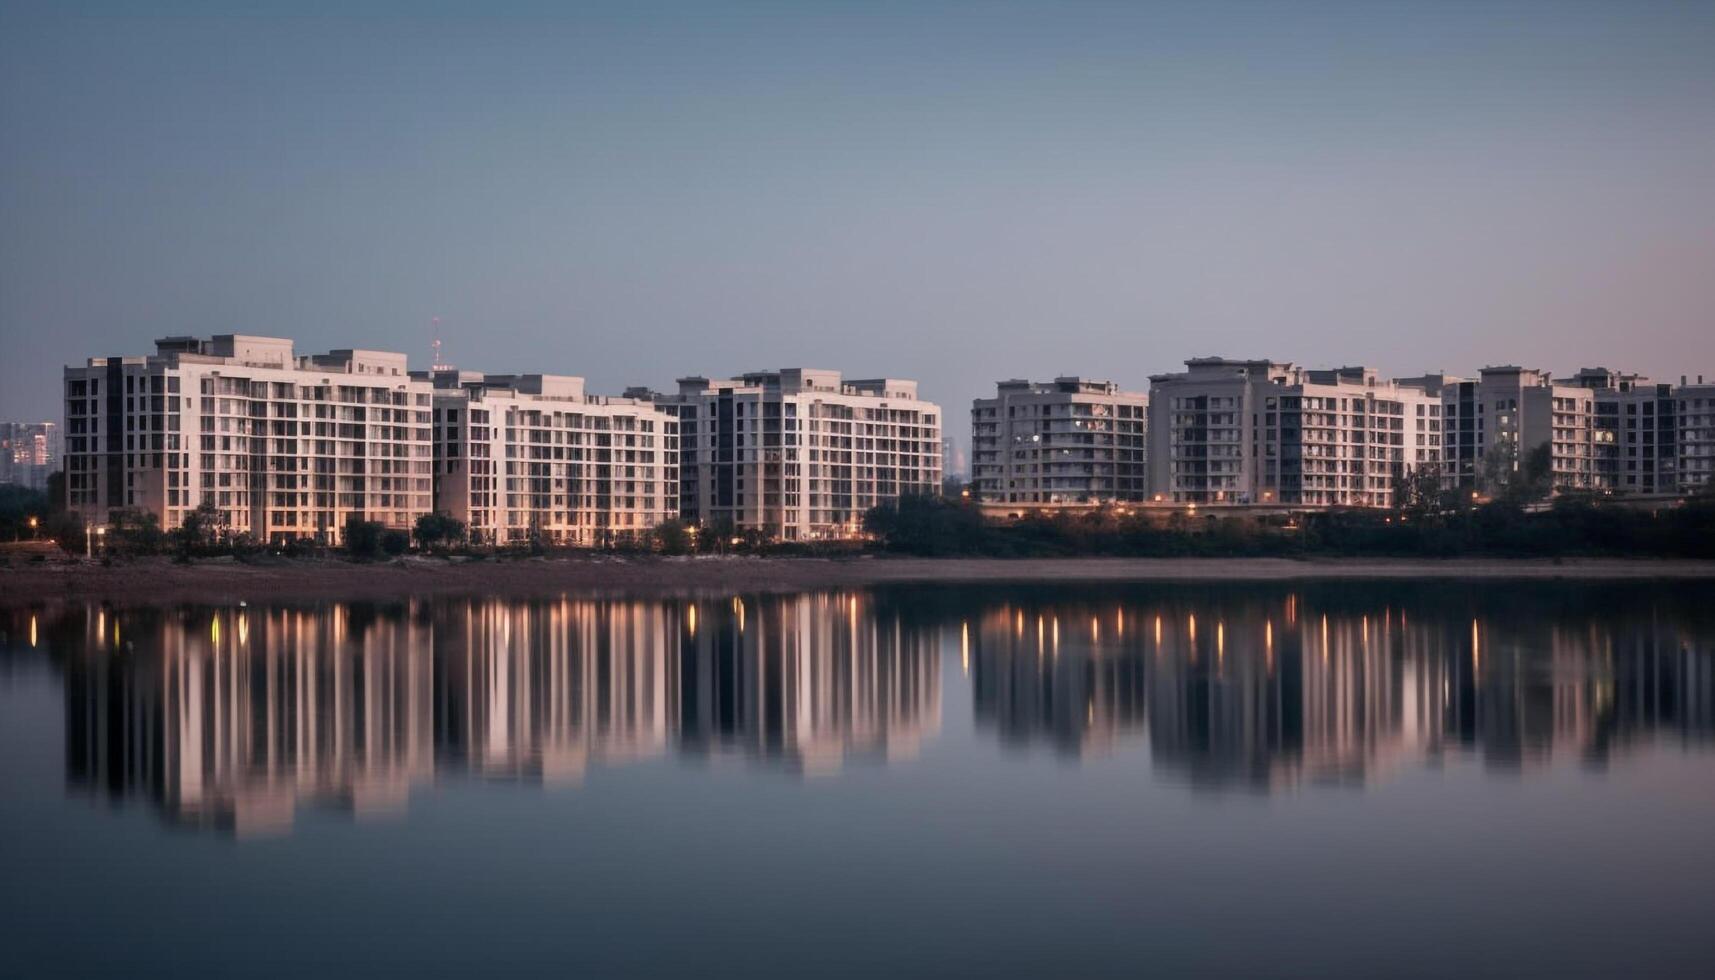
824, 487
636, 194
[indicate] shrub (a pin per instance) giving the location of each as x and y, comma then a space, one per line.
437, 529
363, 538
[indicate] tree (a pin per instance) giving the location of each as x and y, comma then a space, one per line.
17, 506
1495, 470
202, 530
673, 537
1539, 472
362, 538
1418, 491
924, 525
135, 532
438, 528
717, 535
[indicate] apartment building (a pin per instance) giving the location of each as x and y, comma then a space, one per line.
29, 451
1694, 406
1066, 443
1497, 420
522, 457
1634, 437
800, 454
284, 446
1227, 432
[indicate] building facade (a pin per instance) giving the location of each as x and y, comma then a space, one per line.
800, 454
1497, 420
285, 447
1066, 443
29, 451
1237, 432
1694, 406
1634, 438
532, 457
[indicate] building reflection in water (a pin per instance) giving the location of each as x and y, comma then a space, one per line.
1263, 692
236, 717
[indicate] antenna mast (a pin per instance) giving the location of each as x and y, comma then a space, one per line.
435, 345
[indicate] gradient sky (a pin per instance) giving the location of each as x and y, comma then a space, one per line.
952, 192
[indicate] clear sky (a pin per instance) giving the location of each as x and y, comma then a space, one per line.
952, 192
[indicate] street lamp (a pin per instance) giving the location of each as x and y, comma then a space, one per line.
33, 523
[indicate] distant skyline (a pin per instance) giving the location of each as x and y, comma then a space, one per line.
957, 193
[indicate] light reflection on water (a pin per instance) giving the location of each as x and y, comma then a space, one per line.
1313, 780
235, 717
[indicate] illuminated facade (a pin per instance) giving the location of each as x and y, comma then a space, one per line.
1509, 412
1634, 438
29, 451
800, 454
1068, 442
522, 457
283, 446
1267, 432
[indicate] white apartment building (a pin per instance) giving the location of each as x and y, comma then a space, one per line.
1514, 410
1065, 443
800, 454
1229, 432
532, 456
285, 446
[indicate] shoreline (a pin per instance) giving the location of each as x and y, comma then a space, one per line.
159, 580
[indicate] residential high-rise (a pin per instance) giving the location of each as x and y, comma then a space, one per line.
531, 456
1634, 438
800, 454
1266, 432
1066, 443
1695, 413
285, 447
29, 451
1496, 421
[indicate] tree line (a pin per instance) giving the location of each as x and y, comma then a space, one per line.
1519, 519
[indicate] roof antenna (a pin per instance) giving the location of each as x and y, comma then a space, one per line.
438, 366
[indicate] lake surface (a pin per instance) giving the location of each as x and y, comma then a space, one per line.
1382, 779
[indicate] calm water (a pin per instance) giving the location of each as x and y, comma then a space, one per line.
1326, 780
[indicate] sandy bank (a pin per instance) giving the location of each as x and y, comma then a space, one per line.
224, 580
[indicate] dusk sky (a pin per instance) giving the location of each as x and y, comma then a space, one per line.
952, 192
